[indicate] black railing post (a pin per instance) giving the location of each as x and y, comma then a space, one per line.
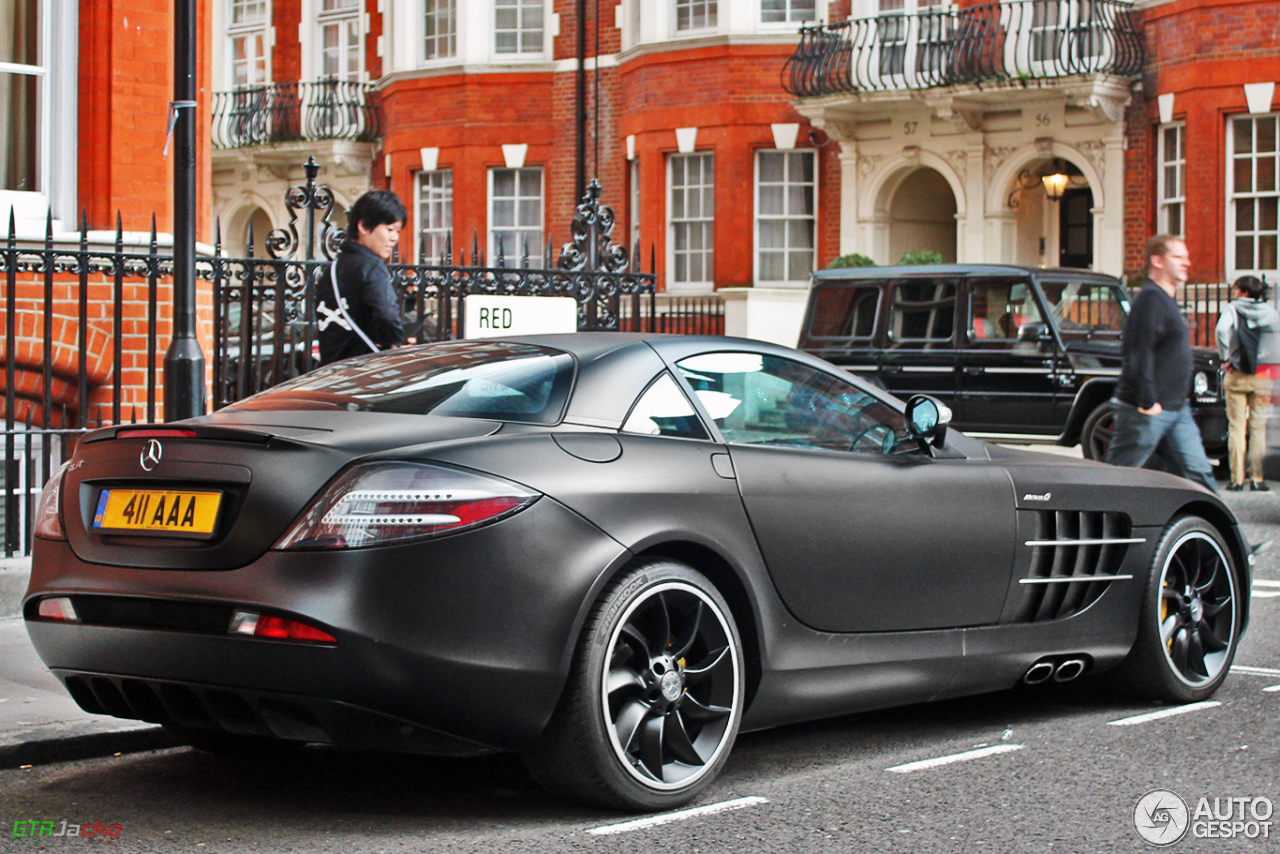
184, 395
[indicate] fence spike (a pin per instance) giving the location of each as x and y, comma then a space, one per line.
13, 226
475, 248
48, 229
248, 239
524, 251
153, 233
133, 416
448, 249
217, 235
84, 224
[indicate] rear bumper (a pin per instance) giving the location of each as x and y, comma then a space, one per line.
453, 645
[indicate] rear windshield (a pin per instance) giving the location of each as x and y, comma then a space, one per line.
465, 379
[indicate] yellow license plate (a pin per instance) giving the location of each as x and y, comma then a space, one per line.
161, 511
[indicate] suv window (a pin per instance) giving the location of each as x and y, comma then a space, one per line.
845, 311
923, 312
999, 309
1083, 310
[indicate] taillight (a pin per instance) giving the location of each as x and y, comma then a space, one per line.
49, 508
279, 628
379, 503
57, 608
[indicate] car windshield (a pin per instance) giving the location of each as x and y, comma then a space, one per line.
1083, 310
467, 379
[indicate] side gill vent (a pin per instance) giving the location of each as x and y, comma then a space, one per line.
1075, 556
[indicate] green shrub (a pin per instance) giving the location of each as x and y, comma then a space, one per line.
853, 259
915, 257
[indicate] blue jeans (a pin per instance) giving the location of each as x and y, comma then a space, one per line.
1172, 434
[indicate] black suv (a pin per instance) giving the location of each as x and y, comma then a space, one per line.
1016, 352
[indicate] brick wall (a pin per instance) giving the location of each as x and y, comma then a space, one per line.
1202, 51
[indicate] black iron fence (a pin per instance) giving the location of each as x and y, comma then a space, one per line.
1015, 40
284, 112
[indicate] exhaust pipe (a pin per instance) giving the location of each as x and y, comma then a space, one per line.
1068, 670
1039, 672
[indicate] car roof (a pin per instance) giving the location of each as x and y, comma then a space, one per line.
964, 270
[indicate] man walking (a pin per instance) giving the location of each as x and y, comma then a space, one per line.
1152, 415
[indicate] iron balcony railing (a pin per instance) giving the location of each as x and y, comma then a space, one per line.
1012, 41
286, 112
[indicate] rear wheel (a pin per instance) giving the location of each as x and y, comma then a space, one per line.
1095, 435
1190, 618
655, 698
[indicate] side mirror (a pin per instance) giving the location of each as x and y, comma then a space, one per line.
1036, 332
927, 420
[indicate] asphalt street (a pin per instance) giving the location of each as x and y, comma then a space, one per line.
1029, 770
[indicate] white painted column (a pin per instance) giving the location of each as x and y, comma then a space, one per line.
849, 237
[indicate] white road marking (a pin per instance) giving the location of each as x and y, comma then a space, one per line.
1265, 594
1274, 689
1266, 582
1165, 713
955, 757
681, 815
1254, 671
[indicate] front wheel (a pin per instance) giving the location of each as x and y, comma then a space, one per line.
1190, 617
653, 703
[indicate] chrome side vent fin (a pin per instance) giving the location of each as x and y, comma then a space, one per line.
1075, 555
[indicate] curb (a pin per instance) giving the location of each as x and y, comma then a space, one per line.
45, 748
15, 572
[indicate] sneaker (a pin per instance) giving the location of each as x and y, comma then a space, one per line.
1259, 486
1235, 487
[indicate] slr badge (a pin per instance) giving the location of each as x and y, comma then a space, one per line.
151, 454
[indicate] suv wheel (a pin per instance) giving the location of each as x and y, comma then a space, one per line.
1095, 435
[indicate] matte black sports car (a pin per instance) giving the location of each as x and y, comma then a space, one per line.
610, 552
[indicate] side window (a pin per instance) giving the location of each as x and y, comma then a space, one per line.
924, 314
663, 410
766, 400
845, 312
1000, 311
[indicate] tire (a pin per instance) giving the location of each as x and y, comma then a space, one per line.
1095, 435
1189, 623
655, 696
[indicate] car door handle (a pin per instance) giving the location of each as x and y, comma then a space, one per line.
973, 371
891, 369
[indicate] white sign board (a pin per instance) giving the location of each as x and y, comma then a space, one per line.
491, 316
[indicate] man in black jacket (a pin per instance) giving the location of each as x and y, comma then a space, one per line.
1152, 414
361, 314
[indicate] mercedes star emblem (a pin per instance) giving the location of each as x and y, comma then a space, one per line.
151, 453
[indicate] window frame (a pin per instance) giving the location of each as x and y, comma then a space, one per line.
1164, 202
513, 253
453, 17
1232, 196
57, 123
789, 21
234, 32
812, 217
427, 201
341, 17
518, 55
706, 222
708, 9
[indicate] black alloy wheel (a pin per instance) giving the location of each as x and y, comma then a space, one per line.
655, 699
1191, 615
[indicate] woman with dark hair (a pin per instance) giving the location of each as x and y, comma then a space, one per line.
356, 305
1246, 334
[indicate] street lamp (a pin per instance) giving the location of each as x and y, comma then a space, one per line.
1054, 176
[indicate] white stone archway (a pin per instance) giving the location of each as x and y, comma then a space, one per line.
883, 238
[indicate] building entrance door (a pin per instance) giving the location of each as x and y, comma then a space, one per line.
1075, 228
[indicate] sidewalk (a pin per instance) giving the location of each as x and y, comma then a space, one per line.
39, 722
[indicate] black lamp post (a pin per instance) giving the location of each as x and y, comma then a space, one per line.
184, 395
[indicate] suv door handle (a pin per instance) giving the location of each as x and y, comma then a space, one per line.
975, 370
891, 369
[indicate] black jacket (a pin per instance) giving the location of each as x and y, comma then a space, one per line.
1157, 352
364, 281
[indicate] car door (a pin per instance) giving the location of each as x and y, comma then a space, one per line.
919, 354
1009, 363
861, 530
